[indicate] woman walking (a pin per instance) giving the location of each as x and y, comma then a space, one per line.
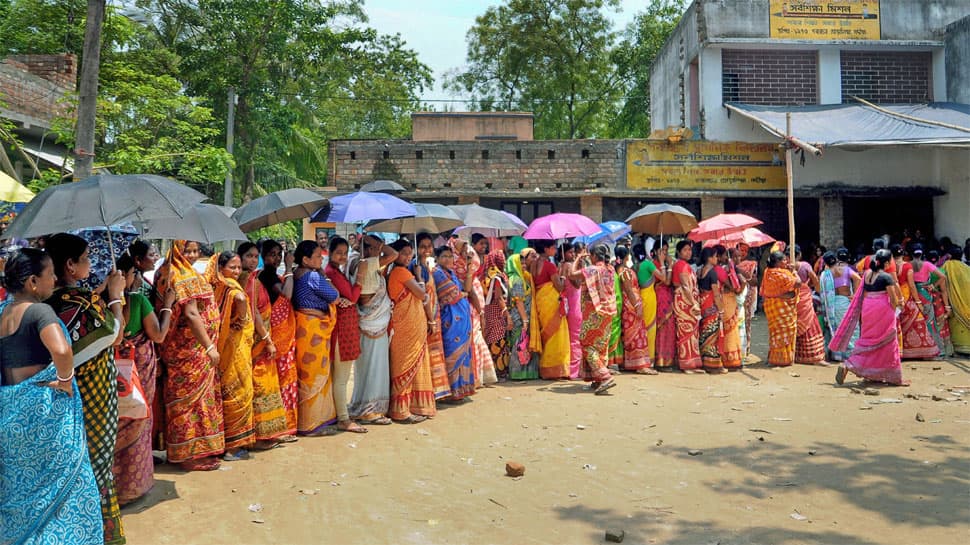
372, 381
455, 325
780, 290
712, 310
687, 311
599, 307
422, 268
412, 392
636, 348
809, 341
345, 342
838, 285
94, 327
235, 347
917, 342
313, 299
552, 343
928, 280
282, 331
523, 363
876, 353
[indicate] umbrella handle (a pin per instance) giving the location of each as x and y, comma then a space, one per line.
111, 248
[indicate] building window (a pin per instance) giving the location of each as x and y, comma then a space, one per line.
386, 154
353, 156
419, 154
585, 154
518, 154
552, 154
886, 77
451, 154
770, 77
485, 154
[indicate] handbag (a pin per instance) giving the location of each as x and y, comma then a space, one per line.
132, 403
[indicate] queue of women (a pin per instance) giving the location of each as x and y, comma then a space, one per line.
244, 357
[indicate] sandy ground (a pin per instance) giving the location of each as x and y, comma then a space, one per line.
784, 457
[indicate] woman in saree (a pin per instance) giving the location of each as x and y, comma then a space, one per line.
687, 311
412, 392
733, 307
313, 299
456, 325
665, 348
838, 285
372, 380
599, 307
269, 416
423, 269
235, 345
636, 356
467, 265
616, 326
48, 490
133, 466
809, 341
780, 287
345, 342
928, 280
496, 310
145, 256
95, 322
649, 277
282, 331
876, 353
958, 292
748, 269
194, 434
917, 342
523, 363
712, 310
574, 311
552, 341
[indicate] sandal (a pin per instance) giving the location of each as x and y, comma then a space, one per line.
209, 463
241, 454
379, 421
602, 388
647, 371
840, 375
413, 419
288, 439
351, 426
323, 431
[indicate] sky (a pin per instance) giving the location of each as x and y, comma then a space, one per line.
436, 29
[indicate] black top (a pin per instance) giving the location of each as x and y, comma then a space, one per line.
24, 348
881, 281
707, 281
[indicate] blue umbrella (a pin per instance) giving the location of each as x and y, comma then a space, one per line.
362, 207
610, 230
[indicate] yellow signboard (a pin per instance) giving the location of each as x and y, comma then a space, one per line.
699, 165
824, 19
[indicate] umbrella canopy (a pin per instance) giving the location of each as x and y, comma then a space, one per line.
609, 230
277, 207
102, 253
383, 186
103, 200
13, 191
667, 219
362, 207
430, 218
558, 226
206, 223
720, 225
487, 222
752, 236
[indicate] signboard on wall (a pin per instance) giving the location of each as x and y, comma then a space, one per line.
824, 19
700, 165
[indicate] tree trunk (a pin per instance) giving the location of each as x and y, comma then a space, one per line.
88, 91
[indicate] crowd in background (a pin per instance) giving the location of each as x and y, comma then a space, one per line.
246, 349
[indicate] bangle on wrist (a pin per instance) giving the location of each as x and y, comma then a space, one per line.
164, 310
266, 336
210, 348
68, 378
113, 301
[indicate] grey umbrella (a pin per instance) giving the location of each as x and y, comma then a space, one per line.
202, 223
431, 218
277, 207
102, 201
488, 222
383, 186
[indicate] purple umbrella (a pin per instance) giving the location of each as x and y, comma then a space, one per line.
559, 226
362, 207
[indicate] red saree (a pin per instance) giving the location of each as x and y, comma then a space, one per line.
636, 348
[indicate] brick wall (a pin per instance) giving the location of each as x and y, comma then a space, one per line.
769, 77
60, 70
489, 167
890, 77
34, 86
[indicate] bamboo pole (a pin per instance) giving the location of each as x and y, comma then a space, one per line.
791, 189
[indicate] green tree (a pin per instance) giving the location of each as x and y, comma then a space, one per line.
552, 57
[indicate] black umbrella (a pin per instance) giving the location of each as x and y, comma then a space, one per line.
383, 186
277, 207
206, 223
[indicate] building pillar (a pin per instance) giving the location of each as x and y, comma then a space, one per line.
831, 230
829, 76
591, 206
711, 206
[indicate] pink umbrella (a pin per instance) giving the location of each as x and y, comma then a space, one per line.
721, 225
751, 236
558, 226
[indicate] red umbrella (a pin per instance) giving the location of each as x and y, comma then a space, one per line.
721, 225
751, 236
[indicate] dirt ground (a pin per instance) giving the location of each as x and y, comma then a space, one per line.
772, 456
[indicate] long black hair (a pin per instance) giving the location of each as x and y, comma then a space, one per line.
267, 276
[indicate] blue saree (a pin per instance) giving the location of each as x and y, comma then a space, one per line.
456, 333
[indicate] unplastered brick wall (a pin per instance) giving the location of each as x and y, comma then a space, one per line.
886, 77
36, 85
755, 76
484, 167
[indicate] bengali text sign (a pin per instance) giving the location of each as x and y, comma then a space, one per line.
824, 19
698, 165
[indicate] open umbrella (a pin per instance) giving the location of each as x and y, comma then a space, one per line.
13, 191
277, 207
103, 200
720, 225
206, 223
362, 207
559, 226
663, 218
430, 218
383, 186
609, 230
487, 222
752, 236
